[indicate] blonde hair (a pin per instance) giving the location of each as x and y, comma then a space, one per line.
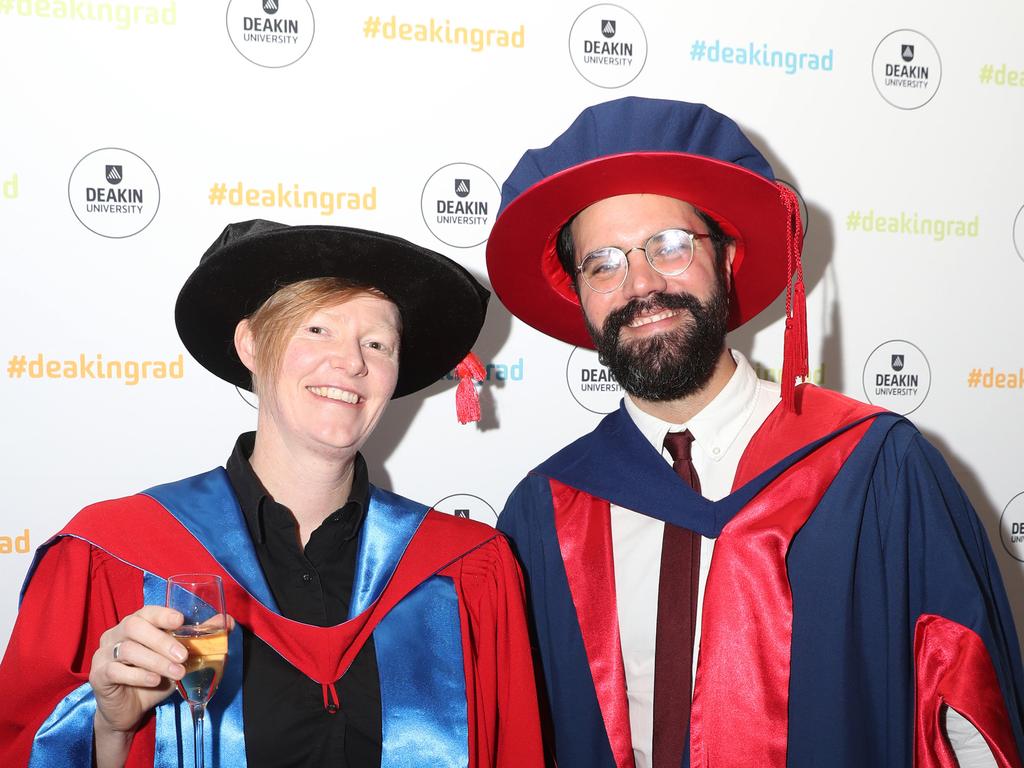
273, 324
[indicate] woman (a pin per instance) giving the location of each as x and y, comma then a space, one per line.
369, 629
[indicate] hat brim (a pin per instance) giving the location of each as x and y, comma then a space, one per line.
536, 289
441, 304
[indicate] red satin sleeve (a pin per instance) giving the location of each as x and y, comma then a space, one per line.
953, 668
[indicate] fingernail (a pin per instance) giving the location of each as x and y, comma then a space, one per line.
179, 653
175, 671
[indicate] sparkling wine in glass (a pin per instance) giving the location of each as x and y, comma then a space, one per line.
199, 597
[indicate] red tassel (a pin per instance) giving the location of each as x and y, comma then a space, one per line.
800, 328
471, 366
794, 356
467, 401
788, 361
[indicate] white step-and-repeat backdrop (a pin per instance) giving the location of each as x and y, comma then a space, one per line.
131, 132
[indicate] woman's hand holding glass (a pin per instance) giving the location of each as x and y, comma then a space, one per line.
134, 668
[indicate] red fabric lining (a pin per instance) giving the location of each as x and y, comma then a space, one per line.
135, 530
583, 526
821, 413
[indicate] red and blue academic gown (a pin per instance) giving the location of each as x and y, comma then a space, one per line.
852, 596
441, 599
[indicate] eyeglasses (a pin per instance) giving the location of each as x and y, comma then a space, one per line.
669, 252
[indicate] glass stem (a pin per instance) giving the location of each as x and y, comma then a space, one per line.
198, 710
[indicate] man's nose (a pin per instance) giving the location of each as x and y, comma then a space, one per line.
642, 279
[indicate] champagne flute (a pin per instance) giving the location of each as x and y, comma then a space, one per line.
199, 597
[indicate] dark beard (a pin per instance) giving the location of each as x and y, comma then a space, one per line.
672, 365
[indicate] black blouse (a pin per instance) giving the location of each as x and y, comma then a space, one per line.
286, 723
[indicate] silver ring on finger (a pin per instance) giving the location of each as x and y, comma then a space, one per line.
117, 651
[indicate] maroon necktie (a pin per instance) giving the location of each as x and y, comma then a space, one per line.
677, 617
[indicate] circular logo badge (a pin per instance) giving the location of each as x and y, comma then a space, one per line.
468, 506
607, 46
459, 204
805, 219
271, 33
1011, 527
590, 383
906, 69
897, 376
1018, 232
114, 192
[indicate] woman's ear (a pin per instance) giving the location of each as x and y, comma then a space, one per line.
245, 345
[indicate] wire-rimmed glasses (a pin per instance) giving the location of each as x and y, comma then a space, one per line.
669, 252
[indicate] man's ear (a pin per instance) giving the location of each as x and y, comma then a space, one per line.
245, 345
730, 254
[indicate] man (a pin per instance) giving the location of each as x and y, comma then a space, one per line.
816, 551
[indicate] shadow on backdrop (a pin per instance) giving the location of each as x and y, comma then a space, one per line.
400, 413
819, 242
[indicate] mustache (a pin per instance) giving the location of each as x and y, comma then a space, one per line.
635, 307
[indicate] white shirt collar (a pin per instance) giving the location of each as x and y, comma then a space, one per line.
718, 424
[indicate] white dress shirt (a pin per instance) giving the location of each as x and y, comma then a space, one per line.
721, 432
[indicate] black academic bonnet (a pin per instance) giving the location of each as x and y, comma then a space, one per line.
441, 304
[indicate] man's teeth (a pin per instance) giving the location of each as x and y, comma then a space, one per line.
652, 318
333, 393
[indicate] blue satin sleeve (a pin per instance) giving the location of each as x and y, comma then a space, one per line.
65, 737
